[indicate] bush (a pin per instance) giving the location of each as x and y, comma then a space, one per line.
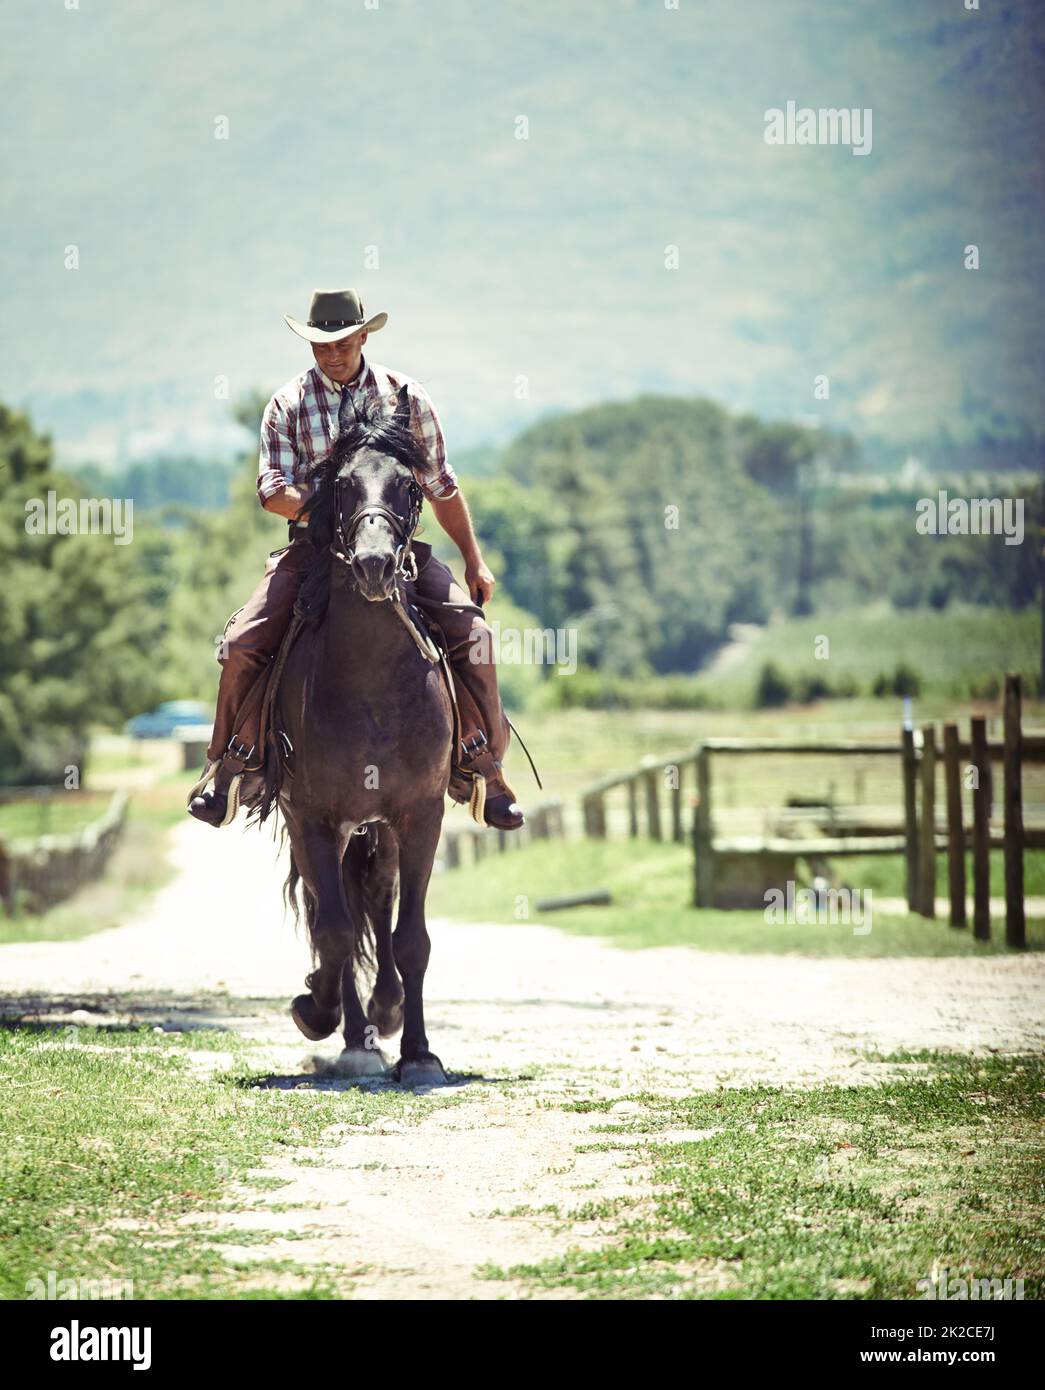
814, 688
904, 680
907, 592
588, 689
989, 688
773, 689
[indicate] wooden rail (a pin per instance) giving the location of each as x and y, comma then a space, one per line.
919, 831
923, 835
643, 788
544, 822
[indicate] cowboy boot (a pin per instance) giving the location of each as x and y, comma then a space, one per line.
219, 807
476, 780
212, 807
503, 812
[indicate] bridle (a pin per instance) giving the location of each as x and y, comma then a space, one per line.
343, 546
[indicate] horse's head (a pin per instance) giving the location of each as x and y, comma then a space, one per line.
366, 501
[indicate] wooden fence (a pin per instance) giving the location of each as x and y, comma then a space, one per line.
543, 822
643, 790
733, 871
924, 836
736, 872
35, 874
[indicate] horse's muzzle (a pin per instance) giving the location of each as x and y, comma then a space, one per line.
374, 575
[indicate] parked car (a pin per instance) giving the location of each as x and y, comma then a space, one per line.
171, 715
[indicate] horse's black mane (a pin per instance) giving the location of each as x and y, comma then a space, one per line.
381, 434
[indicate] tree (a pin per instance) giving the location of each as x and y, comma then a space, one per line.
79, 641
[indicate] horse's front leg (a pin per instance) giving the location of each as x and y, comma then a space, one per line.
317, 852
418, 838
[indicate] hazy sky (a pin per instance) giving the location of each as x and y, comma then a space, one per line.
395, 126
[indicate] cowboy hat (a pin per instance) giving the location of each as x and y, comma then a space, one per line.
333, 315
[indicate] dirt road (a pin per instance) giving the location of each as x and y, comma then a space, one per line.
529, 1015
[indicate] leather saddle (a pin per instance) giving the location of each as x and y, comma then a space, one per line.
264, 766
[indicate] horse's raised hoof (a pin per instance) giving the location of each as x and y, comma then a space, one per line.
314, 1022
358, 1061
386, 1015
426, 1070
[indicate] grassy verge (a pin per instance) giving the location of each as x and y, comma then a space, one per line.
108, 1138
886, 876
652, 887
61, 813
139, 866
840, 1192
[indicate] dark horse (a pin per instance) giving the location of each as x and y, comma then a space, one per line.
366, 725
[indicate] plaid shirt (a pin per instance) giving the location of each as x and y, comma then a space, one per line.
300, 425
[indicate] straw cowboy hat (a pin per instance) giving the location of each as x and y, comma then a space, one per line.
333, 315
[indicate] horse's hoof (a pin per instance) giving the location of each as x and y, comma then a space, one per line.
314, 1022
358, 1061
426, 1070
386, 1017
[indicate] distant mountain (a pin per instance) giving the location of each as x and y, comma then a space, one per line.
526, 276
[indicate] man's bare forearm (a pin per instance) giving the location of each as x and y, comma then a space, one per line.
454, 517
287, 503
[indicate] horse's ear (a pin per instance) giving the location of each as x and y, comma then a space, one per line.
402, 414
346, 413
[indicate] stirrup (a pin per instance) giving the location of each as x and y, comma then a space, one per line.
233, 802
209, 775
477, 800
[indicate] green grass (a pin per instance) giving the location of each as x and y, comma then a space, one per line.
952, 651
139, 866
651, 885
113, 754
108, 1138
60, 813
886, 875
838, 1192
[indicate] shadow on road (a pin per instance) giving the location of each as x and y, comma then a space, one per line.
169, 1012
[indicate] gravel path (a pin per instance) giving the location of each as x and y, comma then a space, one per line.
529, 1014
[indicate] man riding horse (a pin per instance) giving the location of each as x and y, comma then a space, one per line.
298, 431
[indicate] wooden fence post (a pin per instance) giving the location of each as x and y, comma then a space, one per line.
703, 833
633, 808
649, 778
910, 816
981, 830
595, 815
1015, 918
955, 829
675, 793
927, 838
453, 852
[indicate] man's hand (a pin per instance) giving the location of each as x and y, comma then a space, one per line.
479, 580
